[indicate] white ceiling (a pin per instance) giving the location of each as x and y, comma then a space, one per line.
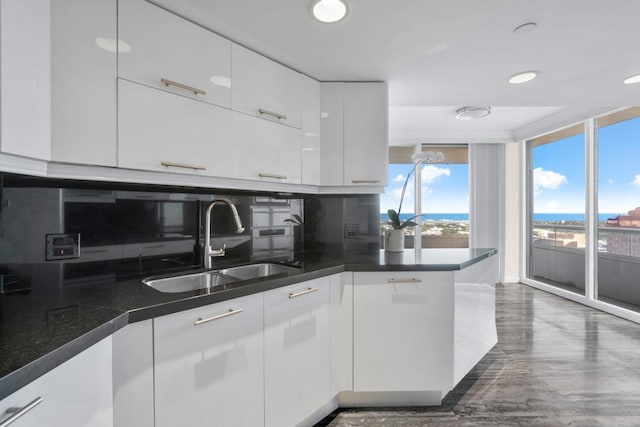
440, 55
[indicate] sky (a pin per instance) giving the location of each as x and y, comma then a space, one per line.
445, 189
558, 177
559, 172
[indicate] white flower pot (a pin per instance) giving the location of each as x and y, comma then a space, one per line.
393, 240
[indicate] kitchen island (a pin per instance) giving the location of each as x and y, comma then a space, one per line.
449, 290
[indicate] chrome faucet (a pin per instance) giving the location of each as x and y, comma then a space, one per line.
208, 251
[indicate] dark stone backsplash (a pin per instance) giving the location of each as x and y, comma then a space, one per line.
132, 229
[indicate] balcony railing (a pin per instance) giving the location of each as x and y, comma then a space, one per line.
558, 258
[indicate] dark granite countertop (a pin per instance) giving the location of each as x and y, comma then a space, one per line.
51, 318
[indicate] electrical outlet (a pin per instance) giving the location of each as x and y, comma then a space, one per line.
351, 231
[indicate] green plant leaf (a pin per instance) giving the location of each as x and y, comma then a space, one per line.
394, 219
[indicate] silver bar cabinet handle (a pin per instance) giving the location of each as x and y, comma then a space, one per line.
195, 90
271, 113
271, 175
231, 312
404, 280
183, 165
365, 181
18, 412
299, 294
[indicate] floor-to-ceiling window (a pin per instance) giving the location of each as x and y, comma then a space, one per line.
583, 210
443, 191
556, 250
618, 165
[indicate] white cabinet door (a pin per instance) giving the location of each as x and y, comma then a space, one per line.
133, 375
25, 74
158, 46
310, 128
58, 89
403, 331
341, 332
210, 374
264, 88
262, 150
366, 133
83, 82
354, 134
296, 352
156, 127
77, 393
331, 133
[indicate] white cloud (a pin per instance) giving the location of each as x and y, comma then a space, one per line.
399, 178
431, 173
550, 180
636, 181
553, 206
611, 181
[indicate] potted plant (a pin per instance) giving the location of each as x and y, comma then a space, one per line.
394, 236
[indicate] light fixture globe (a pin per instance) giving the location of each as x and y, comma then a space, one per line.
470, 113
329, 11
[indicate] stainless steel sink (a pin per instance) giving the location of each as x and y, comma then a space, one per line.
191, 282
217, 280
254, 271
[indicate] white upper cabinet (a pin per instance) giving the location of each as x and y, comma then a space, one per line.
163, 132
264, 88
366, 133
83, 66
59, 80
354, 134
331, 133
165, 51
261, 150
310, 128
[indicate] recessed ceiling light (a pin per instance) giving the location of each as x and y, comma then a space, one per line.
470, 113
633, 79
329, 11
519, 78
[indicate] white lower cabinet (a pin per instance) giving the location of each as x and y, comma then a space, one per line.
403, 331
75, 394
297, 352
209, 365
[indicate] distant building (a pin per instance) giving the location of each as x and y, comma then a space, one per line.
621, 242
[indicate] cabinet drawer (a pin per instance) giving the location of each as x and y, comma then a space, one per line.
264, 88
173, 54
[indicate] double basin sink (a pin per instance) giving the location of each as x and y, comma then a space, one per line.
218, 280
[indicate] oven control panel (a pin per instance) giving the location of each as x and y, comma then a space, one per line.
62, 246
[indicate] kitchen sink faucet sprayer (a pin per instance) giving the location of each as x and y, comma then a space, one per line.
208, 251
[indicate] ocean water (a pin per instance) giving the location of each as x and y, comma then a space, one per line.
540, 217
457, 217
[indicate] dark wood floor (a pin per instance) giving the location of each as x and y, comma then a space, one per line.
557, 363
